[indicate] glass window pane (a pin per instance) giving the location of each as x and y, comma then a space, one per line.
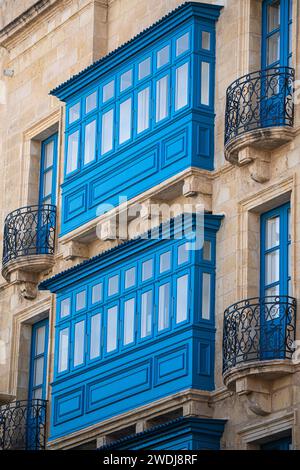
80, 300
107, 131
164, 306
147, 270
206, 296
129, 278
40, 340
113, 285
79, 343
272, 291
95, 336
272, 232
181, 87
47, 183
290, 288
206, 40
290, 38
49, 151
207, 250
74, 113
272, 267
143, 110
273, 48
273, 16
65, 307
162, 98
63, 356
144, 68
183, 254
163, 56
90, 142
165, 262
112, 324
126, 80
37, 394
129, 308
146, 316
289, 226
182, 44
38, 371
125, 121
91, 102
205, 69
72, 155
182, 299
96, 293
108, 91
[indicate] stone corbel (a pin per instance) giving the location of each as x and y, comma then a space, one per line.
28, 290
260, 167
73, 250
257, 393
200, 187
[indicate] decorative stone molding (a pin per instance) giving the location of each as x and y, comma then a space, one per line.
240, 378
253, 149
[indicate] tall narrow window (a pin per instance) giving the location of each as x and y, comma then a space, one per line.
162, 98
112, 329
107, 131
125, 121
146, 316
72, 154
95, 335
143, 110
47, 192
205, 72
182, 298
129, 309
38, 360
79, 335
276, 33
276, 241
164, 306
181, 86
63, 353
90, 142
206, 281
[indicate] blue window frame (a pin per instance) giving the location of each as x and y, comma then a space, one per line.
38, 360
284, 443
276, 252
276, 33
47, 192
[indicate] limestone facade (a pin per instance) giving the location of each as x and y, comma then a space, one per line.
43, 43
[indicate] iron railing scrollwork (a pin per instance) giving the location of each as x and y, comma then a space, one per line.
259, 100
259, 329
29, 231
23, 425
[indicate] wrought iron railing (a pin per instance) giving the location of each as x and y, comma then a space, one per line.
23, 425
259, 329
29, 231
259, 100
